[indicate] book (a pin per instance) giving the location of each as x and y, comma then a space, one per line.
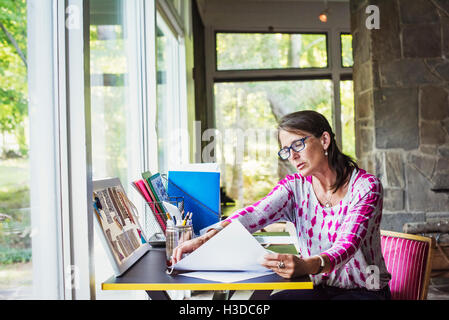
153, 204
158, 189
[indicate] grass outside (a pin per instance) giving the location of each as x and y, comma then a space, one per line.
14, 173
16, 281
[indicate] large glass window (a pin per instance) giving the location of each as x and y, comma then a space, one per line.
248, 104
244, 51
115, 109
171, 100
16, 277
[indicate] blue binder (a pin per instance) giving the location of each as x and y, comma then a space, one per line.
201, 192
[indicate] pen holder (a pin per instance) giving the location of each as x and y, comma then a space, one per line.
156, 218
175, 235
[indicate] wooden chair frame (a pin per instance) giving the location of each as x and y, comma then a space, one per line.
431, 242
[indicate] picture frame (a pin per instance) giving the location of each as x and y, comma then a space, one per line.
117, 225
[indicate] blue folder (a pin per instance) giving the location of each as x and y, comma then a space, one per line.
201, 192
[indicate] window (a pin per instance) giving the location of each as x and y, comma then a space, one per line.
171, 99
257, 78
347, 117
346, 50
16, 278
55, 137
115, 110
244, 51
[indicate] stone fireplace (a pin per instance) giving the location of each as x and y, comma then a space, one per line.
401, 91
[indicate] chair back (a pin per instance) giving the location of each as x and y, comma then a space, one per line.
408, 259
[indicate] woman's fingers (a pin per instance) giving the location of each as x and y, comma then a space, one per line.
185, 247
273, 256
179, 252
273, 260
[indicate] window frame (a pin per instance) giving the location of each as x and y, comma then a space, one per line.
60, 155
179, 107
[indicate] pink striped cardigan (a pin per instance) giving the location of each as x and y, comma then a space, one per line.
348, 233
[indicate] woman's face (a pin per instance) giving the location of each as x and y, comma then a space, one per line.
311, 158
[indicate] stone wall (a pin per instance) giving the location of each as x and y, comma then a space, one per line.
401, 88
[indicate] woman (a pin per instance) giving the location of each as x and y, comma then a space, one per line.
336, 208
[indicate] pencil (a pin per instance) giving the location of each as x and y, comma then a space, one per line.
185, 219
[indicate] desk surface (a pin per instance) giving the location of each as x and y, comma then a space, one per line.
149, 274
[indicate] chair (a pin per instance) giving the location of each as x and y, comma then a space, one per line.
408, 259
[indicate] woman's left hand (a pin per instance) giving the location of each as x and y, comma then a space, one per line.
286, 265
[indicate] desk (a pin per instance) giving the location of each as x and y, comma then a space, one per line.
149, 274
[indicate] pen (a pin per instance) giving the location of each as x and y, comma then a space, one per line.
190, 218
185, 219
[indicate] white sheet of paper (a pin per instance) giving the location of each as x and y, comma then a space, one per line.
224, 276
232, 249
274, 239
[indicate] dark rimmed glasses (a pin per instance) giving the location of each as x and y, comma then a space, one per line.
297, 145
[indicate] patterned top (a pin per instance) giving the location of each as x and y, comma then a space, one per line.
348, 233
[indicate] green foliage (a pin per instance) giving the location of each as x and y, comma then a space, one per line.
15, 241
13, 15
13, 70
270, 51
14, 198
14, 232
346, 50
13, 255
347, 117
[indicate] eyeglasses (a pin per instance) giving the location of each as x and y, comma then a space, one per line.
297, 145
